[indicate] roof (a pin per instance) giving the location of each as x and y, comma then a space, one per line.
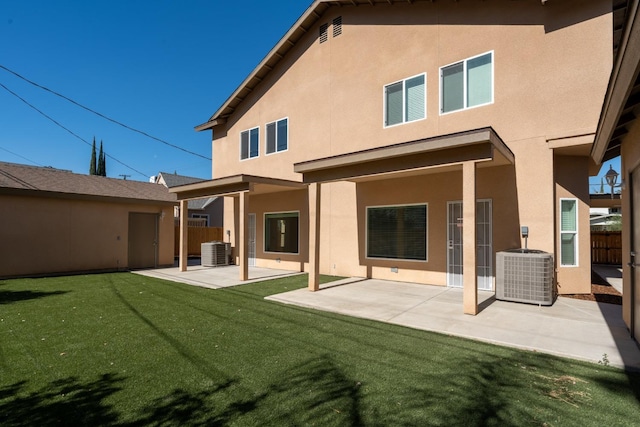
200, 204
621, 105
51, 182
173, 179
233, 185
310, 17
480, 145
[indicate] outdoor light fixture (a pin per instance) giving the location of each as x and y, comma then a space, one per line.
612, 178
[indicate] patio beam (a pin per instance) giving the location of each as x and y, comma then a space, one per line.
184, 235
243, 253
470, 265
314, 236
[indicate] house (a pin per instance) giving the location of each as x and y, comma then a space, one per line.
618, 134
55, 221
209, 209
412, 141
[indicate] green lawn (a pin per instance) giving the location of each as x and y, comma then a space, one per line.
122, 349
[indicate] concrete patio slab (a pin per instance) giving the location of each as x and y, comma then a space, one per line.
611, 273
215, 277
578, 329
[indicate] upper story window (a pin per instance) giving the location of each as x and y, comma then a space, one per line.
277, 136
405, 101
467, 83
249, 143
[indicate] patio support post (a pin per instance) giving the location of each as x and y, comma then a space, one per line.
314, 236
184, 235
469, 268
243, 253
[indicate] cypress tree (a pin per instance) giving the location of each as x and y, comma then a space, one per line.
104, 164
92, 164
104, 161
101, 165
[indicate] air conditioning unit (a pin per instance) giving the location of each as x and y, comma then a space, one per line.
214, 254
525, 275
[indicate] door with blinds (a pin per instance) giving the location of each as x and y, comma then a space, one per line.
484, 244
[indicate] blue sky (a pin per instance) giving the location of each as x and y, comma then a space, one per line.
159, 66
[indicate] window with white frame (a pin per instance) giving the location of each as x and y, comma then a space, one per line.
397, 232
202, 216
249, 143
281, 232
277, 136
405, 101
568, 232
467, 83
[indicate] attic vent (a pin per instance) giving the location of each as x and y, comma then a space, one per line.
324, 34
337, 26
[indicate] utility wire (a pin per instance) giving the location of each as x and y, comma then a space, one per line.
67, 129
102, 115
16, 154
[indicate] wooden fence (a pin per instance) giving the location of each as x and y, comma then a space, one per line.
606, 247
197, 236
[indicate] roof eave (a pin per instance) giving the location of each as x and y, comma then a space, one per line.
310, 16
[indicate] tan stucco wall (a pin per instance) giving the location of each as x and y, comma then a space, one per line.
630, 161
52, 235
570, 183
551, 68
286, 201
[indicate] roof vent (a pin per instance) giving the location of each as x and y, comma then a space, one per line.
337, 26
324, 34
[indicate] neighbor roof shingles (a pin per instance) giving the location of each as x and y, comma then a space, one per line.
45, 179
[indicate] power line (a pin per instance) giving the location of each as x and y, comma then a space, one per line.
67, 129
16, 154
102, 115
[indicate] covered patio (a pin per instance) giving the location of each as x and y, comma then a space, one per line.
461, 155
462, 152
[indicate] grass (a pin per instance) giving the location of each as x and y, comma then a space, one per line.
127, 350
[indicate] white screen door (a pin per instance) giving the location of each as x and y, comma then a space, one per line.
252, 240
484, 244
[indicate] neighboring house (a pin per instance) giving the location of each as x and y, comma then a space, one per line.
619, 135
605, 222
209, 209
411, 141
55, 221
605, 212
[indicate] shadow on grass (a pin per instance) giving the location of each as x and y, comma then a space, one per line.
9, 297
62, 402
316, 392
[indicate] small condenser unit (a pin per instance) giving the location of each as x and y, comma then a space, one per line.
214, 254
524, 275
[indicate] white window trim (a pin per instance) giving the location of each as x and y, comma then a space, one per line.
576, 233
384, 102
265, 136
249, 148
366, 234
264, 233
199, 215
464, 82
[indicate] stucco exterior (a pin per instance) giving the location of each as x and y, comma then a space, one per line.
55, 221
618, 134
53, 235
550, 68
